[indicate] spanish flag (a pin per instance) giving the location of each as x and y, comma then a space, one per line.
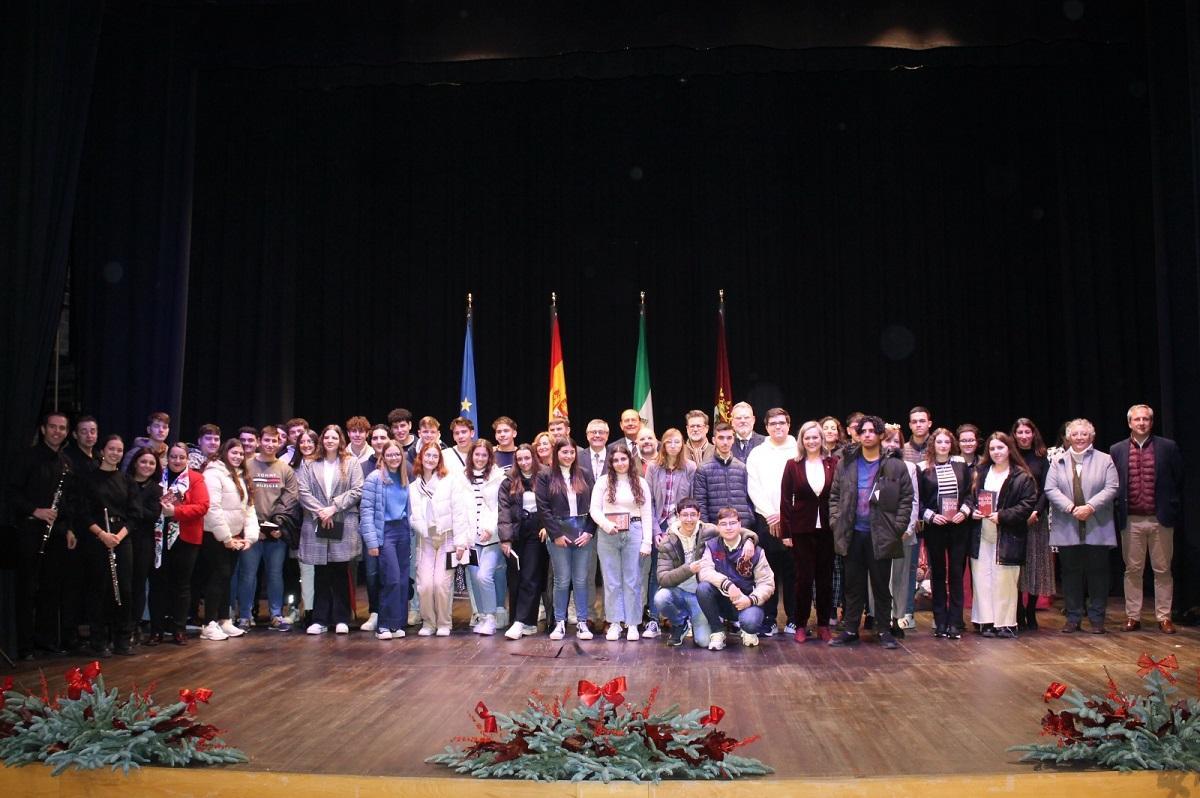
558, 382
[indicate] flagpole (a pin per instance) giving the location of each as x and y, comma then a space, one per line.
467, 402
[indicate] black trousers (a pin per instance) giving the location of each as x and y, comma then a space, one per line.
782, 563
813, 560
1085, 572
527, 583
219, 561
947, 548
143, 564
48, 587
109, 621
171, 586
331, 593
861, 565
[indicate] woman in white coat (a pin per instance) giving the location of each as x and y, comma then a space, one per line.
230, 525
434, 508
479, 484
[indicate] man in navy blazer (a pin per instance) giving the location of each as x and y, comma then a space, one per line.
1150, 469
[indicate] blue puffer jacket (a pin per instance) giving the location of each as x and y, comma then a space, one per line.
720, 484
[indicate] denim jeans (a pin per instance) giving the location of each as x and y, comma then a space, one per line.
393, 562
414, 604
571, 570
371, 571
717, 606
680, 606
272, 553
483, 577
621, 565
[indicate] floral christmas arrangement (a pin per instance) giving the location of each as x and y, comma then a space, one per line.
91, 727
602, 738
1122, 731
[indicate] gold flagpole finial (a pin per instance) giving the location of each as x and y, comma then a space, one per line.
721, 293
643, 297
553, 297
469, 301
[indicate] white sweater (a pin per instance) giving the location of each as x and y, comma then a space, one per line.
625, 503
764, 474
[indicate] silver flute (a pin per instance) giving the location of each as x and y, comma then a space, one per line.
53, 506
112, 561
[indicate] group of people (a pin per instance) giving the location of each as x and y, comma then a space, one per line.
704, 530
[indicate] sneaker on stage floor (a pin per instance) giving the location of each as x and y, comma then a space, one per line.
613, 633
749, 639
716, 641
245, 624
515, 632
790, 629
501, 617
371, 623
844, 639
651, 629
279, 624
426, 631
487, 626
631, 634
397, 634
1006, 633
443, 631
887, 641
583, 631
953, 633
800, 635
678, 632
939, 631
897, 631
559, 631
341, 629
316, 629
476, 617
770, 629
907, 622
529, 629
383, 634
212, 632
230, 629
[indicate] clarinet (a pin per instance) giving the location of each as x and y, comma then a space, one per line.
112, 562
58, 491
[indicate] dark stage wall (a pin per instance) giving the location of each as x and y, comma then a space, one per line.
956, 237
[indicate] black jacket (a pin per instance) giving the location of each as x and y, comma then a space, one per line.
930, 501
1168, 480
511, 512
31, 482
552, 505
891, 503
1015, 502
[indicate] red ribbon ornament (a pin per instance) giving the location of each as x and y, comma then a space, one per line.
612, 691
78, 682
1055, 690
1146, 664
189, 697
489, 720
715, 713
91, 670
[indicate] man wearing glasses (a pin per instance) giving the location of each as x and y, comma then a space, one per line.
697, 448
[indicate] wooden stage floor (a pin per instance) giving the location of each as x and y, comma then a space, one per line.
355, 705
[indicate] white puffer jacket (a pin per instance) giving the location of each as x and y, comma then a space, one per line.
481, 519
228, 512
449, 510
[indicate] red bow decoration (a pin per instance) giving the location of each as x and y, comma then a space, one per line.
489, 720
715, 713
612, 691
201, 694
1146, 664
91, 670
78, 683
1055, 690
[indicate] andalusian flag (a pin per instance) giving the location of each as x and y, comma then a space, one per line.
466, 406
558, 382
723, 401
642, 400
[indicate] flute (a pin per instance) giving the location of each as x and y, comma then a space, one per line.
53, 506
112, 561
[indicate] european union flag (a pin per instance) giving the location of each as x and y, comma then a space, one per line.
466, 407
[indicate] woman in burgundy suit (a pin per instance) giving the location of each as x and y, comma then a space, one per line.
804, 526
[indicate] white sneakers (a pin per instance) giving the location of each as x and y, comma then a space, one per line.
316, 629
230, 629
515, 632
613, 633
426, 631
907, 622
486, 626
371, 624
560, 631
501, 617
443, 631
582, 631
631, 634
213, 632
341, 629
716, 641
749, 639
388, 634
651, 629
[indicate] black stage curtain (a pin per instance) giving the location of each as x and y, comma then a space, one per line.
958, 237
130, 251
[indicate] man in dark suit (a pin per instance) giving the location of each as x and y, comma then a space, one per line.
1150, 469
595, 457
631, 424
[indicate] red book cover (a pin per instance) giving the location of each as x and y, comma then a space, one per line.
987, 502
949, 506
